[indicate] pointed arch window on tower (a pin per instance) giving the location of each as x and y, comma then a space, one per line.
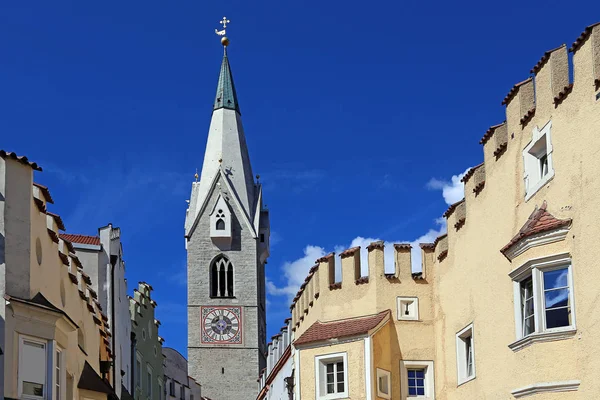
220, 225
221, 277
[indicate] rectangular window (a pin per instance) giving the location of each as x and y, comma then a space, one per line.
58, 375
32, 368
182, 392
465, 355
331, 376
171, 388
149, 381
408, 308
160, 390
537, 160
543, 297
138, 371
417, 380
383, 384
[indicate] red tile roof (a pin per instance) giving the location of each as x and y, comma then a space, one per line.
376, 245
537, 67
59, 222
402, 246
489, 133
584, 35
349, 252
325, 258
81, 239
513, 91
45, 191
539, 221
21, 159
320, 331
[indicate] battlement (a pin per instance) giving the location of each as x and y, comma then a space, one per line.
530, 103
320, 281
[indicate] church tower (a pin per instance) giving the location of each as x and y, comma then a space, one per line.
227, 240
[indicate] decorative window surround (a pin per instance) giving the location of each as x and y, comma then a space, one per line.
465, 344
321, 378
535, 269
546, 387
540, 146
539, 239
384, 381
542, 337
429, 379
410, 304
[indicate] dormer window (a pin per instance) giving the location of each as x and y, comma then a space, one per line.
220, 221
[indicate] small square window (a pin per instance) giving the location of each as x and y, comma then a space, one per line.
417, 380
383, 384
331, 376
262, 237
408, 308
465, 355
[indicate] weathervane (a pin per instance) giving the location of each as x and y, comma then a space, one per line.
224, 39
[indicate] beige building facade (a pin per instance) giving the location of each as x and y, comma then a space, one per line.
53, 333
505, 305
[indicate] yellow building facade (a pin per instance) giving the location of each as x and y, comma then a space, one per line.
506, 303
54, 336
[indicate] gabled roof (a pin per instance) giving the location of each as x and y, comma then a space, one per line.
539, 221
81, 239
320, 331
90, 380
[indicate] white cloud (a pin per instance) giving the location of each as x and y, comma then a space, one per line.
453, 190
296, 271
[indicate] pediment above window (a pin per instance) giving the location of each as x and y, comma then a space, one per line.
541, 228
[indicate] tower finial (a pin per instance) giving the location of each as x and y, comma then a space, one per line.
224, 39
196, 175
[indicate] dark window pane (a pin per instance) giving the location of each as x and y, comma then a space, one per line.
421, 391
33, 389
411, 373
220, 225
340, 366
340, 387
555, 279
330, 378
420, 373
557, 318
412, 391
329, 367
330, 388
412, 382
420, 382
557, 298
340, 376
529, 327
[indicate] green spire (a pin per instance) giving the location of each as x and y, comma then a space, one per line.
226, 96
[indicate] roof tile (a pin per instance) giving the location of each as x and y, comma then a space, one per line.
320, 331
81, 239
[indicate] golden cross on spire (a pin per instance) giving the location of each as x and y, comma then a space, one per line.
224, 22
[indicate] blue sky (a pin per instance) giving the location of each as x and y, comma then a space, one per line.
360, 116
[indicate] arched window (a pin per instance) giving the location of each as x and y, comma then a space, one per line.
221, 277
220, 220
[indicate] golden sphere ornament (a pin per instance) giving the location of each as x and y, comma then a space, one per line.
225, 41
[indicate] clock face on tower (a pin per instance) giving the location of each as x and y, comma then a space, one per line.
221, 325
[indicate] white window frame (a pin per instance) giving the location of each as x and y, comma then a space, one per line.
60, 376
383, 374
535, 268
531, 170
400, 305
462, 355
22, 339
405, 365
321, 379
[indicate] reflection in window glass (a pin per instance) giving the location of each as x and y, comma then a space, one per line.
556, 298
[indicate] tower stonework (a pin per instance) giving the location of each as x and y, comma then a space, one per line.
227, 240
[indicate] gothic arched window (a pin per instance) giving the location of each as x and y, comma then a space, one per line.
221, 277
220, 221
